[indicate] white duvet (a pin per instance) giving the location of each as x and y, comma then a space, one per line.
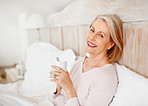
36, 88
10, 96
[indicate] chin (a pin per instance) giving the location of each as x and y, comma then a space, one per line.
87, 50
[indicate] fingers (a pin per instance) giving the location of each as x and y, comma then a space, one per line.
67, 72
52, 76
54, 80
57, 68
59, 76
54, 73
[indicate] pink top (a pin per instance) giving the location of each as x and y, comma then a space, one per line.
95, 87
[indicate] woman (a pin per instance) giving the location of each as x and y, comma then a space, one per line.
92, 80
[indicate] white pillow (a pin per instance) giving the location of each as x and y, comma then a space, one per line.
40, 57
132, 88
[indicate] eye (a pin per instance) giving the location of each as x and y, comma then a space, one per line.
100, 35
92, 30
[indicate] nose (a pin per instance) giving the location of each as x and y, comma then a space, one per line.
92, 36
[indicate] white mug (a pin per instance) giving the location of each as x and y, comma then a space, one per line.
62, 65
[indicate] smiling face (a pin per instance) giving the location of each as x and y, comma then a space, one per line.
98, 38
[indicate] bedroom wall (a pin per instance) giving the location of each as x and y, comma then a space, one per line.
132, 12
84, 11
58, 13
10, 40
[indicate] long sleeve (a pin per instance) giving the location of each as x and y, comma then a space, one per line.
94, 88
59, 99
100, 93
99, 96
72, 102
62, 100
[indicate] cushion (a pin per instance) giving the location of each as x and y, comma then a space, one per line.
132, 88
40, 57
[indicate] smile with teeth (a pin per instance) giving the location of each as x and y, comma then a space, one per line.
90, 44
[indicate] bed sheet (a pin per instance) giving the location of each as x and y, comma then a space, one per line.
10, 96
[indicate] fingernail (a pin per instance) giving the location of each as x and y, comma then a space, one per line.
52, 65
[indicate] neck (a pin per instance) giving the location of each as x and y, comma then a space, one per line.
98, 60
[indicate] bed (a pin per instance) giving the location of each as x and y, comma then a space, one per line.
135, 40
67, 43
132, 89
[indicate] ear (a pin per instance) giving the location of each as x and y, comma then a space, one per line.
111, 45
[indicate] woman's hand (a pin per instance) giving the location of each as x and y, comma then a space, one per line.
58, 88
63, 79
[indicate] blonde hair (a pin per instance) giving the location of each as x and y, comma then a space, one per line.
116, 34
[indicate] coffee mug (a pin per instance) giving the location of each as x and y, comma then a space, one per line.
62, 65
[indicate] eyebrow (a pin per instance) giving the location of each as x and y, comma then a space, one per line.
98, 31
92, 26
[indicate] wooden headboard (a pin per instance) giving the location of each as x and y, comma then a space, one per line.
135, 52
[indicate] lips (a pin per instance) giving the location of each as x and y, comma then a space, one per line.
90, 44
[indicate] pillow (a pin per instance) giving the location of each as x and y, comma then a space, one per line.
132, 88
40, 57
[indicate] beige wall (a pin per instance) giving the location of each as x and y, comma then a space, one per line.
84, 11
13, 43
10, 40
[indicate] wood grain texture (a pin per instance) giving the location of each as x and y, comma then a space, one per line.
56, 37
82, 30
135, 52
70, 38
